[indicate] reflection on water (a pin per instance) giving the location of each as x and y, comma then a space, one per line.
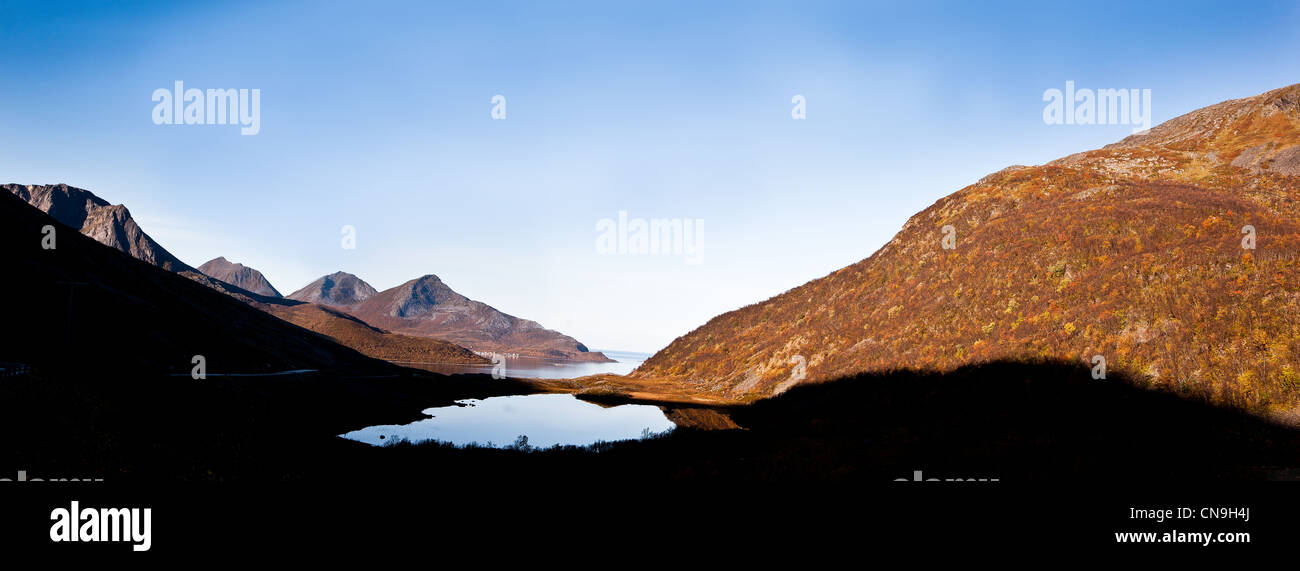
546, 419
531, 367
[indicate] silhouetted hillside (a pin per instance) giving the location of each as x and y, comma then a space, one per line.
109, 224
89, 307
1012, 422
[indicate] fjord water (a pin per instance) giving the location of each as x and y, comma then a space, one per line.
534, 368
546, 419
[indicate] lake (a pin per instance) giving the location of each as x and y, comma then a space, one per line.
535, 368
546, 419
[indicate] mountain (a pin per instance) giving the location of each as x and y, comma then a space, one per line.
239, 275
339, 289
90, 308
430, 310
109, 224
371, 341
112, 226
427, 307
1140, 252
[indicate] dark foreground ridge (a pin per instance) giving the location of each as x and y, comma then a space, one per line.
97, 312
1014, 422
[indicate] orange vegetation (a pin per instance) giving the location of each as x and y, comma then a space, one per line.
1133, 252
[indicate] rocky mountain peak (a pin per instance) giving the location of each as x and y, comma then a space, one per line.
109, 224
239, 275
339, 289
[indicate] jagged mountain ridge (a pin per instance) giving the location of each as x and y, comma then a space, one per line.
109, 224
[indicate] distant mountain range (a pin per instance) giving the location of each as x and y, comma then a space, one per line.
1174, 255
96, 310
435, 328
427, 307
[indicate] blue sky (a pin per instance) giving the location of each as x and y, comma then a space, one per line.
378, 115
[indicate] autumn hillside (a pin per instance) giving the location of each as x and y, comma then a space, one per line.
370, 341
1133, 252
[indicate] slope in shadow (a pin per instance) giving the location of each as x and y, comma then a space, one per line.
83, 306
1020, 421
1016, 422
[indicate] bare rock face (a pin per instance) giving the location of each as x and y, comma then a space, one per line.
1250, 158
1269, 157
93, 216
239, 275
339, 289
428, 307
1287, 161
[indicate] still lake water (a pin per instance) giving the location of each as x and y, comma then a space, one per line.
546, 419
528, 367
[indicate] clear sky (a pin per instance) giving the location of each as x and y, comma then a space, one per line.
378, 115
